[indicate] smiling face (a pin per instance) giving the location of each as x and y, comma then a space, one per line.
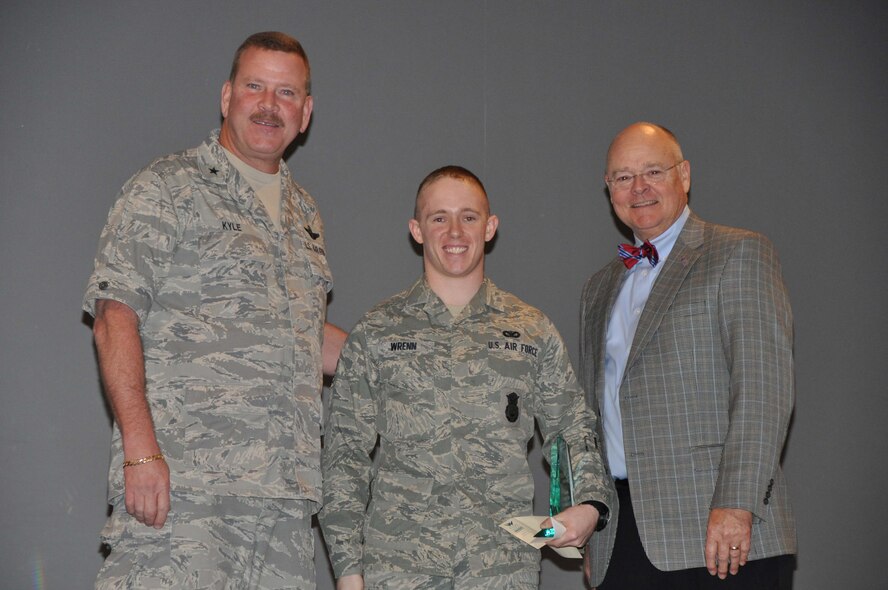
453, 223
648, 208
265, 107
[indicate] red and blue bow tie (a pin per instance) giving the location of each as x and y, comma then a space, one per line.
631, 255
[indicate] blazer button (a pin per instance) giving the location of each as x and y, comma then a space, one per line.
766, 501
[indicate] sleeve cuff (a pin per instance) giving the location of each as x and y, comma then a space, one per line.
108, 288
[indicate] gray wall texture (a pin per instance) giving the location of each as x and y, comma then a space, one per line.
780, 106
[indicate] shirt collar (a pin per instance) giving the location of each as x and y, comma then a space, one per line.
421, 296
665, 241
215, 164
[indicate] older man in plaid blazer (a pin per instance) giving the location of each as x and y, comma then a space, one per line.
686, 353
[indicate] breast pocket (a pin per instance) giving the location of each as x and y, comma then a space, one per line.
409, 407
689, 308
308, 282
509, 411
317, 266
235, 269
507, 405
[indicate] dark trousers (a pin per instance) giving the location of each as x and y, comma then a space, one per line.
630, 568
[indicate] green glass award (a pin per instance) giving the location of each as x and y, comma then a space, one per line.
561, 484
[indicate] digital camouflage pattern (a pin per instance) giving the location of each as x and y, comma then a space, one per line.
520, 580
212, 542
453, 403
231, 315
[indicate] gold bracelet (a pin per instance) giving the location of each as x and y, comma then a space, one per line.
143, 460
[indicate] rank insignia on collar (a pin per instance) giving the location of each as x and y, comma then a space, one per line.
214, 170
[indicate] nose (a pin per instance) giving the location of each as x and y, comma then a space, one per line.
268, 100
455, 228
639, 184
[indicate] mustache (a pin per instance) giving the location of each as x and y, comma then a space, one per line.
268, 118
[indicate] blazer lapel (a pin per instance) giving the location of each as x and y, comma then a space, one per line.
683, 256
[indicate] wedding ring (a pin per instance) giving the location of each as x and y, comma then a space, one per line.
734, 548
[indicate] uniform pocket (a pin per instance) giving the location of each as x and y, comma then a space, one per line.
317, 266
512, 492
514, 412
409, 406
398, 515
235, 267
493, 550
409, 415
228, 428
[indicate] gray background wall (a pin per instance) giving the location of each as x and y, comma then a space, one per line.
781, 108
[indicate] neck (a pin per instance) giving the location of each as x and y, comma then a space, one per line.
455, 292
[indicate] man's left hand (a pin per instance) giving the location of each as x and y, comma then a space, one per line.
728, 536
580, 522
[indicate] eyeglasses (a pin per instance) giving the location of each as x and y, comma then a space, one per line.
651, 176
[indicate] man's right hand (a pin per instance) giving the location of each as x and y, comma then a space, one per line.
148, 492
350, 582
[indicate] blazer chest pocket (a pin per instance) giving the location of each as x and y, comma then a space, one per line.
690, 308
691, 324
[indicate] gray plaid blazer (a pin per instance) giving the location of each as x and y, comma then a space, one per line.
706, 396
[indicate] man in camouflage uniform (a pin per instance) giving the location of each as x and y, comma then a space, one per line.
209, 296
449, 376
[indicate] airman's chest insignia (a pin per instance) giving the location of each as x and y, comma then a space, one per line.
512, 411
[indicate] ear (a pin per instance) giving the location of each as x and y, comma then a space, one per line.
607, 191
415, 230
307, 107
490, 229
685, 172
226, 98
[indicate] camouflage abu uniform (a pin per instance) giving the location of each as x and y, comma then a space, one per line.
452, 457
231, 314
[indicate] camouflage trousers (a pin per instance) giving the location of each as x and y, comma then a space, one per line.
218, 542
523, 580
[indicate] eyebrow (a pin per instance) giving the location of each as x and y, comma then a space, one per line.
645, 167
463, 210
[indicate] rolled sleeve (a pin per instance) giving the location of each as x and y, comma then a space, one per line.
135, 246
